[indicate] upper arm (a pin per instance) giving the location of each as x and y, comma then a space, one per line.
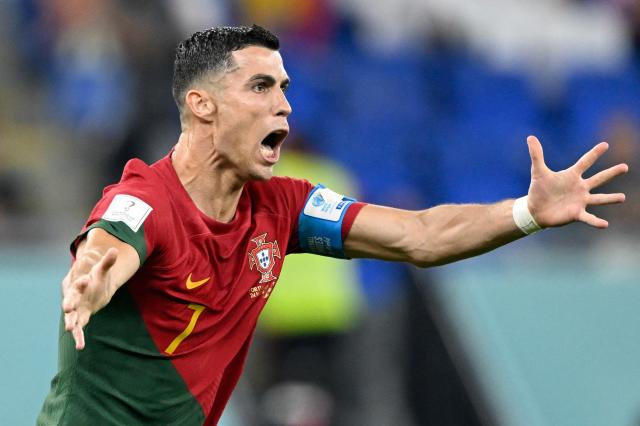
127, 262
383, 233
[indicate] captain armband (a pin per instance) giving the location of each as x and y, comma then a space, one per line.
320, 222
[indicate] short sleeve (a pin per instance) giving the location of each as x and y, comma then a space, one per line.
130, 212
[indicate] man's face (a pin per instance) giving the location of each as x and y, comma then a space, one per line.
252, 110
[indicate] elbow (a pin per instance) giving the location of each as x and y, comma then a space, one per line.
422, 264
434, 254
429, 251
417, 247
428, 245
429, 261
422, 258
425, 262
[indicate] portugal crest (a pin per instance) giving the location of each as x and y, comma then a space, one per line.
263, 257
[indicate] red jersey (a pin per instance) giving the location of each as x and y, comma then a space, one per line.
170, 346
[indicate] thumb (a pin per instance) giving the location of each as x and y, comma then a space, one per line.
107, 261
536, 154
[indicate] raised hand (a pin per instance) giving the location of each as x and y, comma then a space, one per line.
558, 198
86, 289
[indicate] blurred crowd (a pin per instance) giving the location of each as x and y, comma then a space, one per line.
421, 101
426, 101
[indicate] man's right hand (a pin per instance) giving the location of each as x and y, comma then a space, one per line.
103, 263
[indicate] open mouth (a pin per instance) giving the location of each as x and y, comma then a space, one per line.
270, 145
274, 139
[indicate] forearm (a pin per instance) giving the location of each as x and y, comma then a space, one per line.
431, 237
103, 264
447, 233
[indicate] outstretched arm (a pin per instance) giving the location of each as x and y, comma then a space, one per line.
103, 264
447, 233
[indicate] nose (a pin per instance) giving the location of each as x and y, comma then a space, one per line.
283, 106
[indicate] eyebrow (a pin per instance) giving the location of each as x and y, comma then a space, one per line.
269, 79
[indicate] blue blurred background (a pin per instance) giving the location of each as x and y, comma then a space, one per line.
417, 103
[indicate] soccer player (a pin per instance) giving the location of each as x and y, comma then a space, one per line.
177, 260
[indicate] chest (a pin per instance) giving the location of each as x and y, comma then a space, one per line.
221, 270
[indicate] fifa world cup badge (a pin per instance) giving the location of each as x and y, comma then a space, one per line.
263, 257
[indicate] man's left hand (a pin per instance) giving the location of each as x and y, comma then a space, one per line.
558, 198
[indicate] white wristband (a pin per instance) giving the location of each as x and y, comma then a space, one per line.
523, 218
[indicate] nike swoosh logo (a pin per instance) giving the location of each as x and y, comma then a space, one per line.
195, 284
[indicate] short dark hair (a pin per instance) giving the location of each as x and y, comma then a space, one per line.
210, 50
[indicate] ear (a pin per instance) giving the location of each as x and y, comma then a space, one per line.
201, 104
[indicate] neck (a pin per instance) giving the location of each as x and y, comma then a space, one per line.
214, 190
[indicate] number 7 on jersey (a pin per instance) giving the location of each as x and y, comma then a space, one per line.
197, 310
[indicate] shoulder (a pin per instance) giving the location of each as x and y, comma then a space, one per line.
139, 180
139, 193
280, 183
279, 187
280, 193
139, 172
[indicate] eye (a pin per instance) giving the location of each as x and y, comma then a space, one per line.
260, 87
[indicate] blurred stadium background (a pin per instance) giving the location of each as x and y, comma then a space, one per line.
406, 102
